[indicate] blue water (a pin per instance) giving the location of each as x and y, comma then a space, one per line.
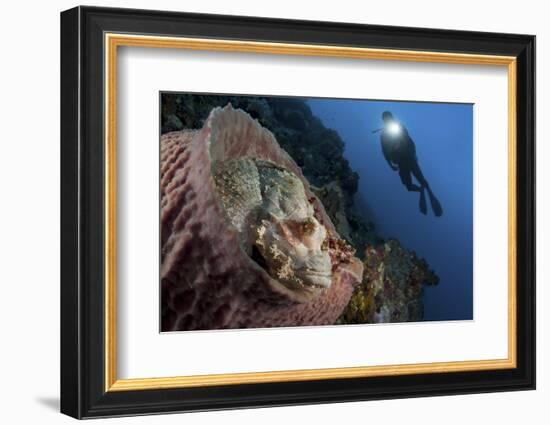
443, 134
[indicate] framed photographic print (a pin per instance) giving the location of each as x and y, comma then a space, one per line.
261, 212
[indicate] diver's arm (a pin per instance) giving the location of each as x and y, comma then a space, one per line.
392, 166
410, 143
387, 158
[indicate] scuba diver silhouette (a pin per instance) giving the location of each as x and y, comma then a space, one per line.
400, 152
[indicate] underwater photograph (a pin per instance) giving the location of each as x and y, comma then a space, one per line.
293, 211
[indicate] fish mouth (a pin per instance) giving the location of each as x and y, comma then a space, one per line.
315, 278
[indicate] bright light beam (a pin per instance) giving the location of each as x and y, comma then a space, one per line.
394, 128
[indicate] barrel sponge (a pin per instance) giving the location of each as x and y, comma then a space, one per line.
208, 281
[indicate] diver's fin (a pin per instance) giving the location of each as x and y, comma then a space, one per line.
422, 203
436, 206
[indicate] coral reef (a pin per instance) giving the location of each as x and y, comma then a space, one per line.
333, 199
244, 240
349, 222
391, 288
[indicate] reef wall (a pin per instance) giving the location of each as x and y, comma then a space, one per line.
391, 290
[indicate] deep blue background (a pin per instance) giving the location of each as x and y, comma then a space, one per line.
443, 134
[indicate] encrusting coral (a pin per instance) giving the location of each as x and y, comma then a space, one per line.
244, 241
391, 288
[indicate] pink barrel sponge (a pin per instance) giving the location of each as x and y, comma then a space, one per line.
244, 241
